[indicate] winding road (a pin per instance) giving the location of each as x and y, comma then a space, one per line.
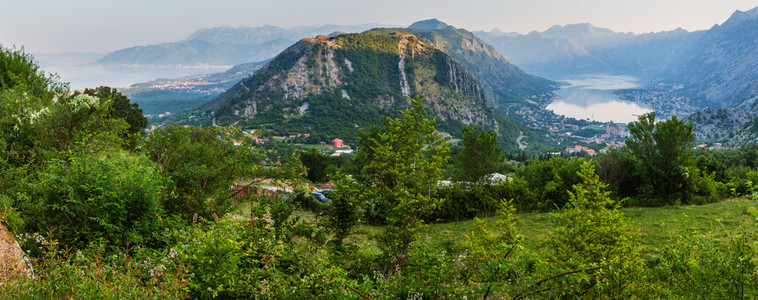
518, 140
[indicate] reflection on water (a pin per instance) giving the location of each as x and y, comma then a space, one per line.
591, 97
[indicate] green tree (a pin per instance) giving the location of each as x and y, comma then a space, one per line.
25, 93
122, 108
481, 154
593, 248
341, 215
18, 70
664, 153
200, 166
401, 171
317, 165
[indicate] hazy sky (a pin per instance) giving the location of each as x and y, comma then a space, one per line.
47, 26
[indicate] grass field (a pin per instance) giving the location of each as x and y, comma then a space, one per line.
657, 226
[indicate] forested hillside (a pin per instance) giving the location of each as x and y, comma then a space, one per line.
334, 86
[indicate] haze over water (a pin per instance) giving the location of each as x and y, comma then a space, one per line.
591, 97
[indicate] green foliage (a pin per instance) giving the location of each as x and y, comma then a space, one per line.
200, 166
110, 196
402, 167
548, 181
463, 201
302, 199
481, 154
317, 165
81, 119
663, 150
593, 248
61, 274
341, 215
496, 259
122, 108
699, 266
19, 71
9, 216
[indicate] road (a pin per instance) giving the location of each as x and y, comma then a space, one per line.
518, 140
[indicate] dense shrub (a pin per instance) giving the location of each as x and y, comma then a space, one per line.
200, 165
109, 196
88, 274
549, 180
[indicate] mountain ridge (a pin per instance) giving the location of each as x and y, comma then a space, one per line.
335, 85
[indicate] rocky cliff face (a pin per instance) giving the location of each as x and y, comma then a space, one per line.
353, 80
732, 126
502, 81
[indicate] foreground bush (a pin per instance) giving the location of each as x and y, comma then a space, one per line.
60, 274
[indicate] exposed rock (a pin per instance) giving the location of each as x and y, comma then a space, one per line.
12, 258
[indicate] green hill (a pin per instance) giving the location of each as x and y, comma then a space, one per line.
332, 86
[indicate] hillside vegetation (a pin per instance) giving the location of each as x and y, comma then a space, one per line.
337, 85
104, 210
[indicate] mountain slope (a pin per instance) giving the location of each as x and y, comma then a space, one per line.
732, 126
194, 52
502, 81
723, 62
583, 48
334, 85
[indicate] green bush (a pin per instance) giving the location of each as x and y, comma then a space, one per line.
303, 199
88, 274
109, 196
10, 216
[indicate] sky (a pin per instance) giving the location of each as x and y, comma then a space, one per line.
54, 26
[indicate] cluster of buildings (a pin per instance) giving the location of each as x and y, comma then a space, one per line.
715, 146
161, 115
578, 149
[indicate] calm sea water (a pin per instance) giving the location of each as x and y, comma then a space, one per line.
591, 97
81, 73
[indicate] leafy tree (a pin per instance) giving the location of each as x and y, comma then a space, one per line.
493, 257
593, 248
122, 108
341, 215
481, 154
549, 180
402, 168
81, 118
200, 165
317, 165
663, 150
19, 70
25, 93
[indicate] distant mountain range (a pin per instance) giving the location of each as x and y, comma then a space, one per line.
583, 48
222, 46
721, 71
715, 68
721, 63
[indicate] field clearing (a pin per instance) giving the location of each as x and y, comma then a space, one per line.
658, 226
